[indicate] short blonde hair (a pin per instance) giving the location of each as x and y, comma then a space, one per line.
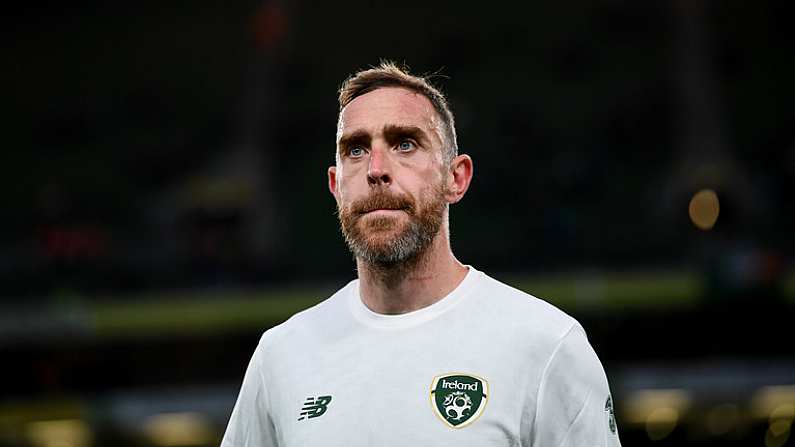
388, 74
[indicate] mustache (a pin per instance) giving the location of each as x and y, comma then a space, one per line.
383, 200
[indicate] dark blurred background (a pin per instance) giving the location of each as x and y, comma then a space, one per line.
164, 198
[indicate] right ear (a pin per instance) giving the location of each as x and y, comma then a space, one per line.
332, 182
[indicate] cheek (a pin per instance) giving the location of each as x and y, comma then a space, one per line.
434, 177
348, 172
353, 172
347, 180
424, 168
427, 184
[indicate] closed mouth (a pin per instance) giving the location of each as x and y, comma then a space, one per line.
383, 209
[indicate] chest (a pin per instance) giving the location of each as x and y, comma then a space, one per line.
412, 389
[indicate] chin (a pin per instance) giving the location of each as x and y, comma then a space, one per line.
383, 239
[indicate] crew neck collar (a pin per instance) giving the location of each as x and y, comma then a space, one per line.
398, 321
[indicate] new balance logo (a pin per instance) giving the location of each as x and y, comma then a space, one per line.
314, 407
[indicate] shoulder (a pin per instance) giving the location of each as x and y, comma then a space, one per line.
544, 328
519, 309
312, 323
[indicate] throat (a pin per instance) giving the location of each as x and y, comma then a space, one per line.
409, 285
394, 276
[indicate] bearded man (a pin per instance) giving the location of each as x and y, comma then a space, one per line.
420, 350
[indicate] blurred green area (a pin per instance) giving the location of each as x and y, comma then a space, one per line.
158, 314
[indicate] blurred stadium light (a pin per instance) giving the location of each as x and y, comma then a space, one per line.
59, 433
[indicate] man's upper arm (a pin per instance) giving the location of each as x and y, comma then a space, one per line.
574, 403
251, 424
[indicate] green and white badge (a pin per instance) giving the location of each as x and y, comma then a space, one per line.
459, 399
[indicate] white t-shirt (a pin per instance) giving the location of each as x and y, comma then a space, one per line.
487, 365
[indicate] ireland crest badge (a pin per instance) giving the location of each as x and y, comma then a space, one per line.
459, 399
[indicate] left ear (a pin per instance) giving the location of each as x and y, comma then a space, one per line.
459, 177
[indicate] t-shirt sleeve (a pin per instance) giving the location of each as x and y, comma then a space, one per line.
574, 406
250, 424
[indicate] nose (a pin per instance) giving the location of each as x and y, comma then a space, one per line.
378, 171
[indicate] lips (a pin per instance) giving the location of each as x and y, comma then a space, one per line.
384, 209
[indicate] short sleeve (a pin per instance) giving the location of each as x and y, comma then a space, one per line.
574, 403
250, 424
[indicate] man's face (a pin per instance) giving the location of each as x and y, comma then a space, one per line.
389, 181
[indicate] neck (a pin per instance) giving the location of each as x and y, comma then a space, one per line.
413, 284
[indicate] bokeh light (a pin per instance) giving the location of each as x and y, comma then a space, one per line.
704, 209
179, 429
59, 433
778, 433
661, 422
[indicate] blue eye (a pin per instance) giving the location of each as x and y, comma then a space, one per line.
406, 145
356, 151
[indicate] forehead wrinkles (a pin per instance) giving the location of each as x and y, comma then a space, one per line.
403, 107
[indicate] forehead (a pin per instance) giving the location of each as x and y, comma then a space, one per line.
389, 105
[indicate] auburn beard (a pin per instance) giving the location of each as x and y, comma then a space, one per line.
389, 241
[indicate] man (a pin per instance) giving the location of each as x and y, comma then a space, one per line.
421, 350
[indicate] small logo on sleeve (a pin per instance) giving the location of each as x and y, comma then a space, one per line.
314, 407
458, 399
611, 414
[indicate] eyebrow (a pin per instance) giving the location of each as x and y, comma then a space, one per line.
359, 137
393, 133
